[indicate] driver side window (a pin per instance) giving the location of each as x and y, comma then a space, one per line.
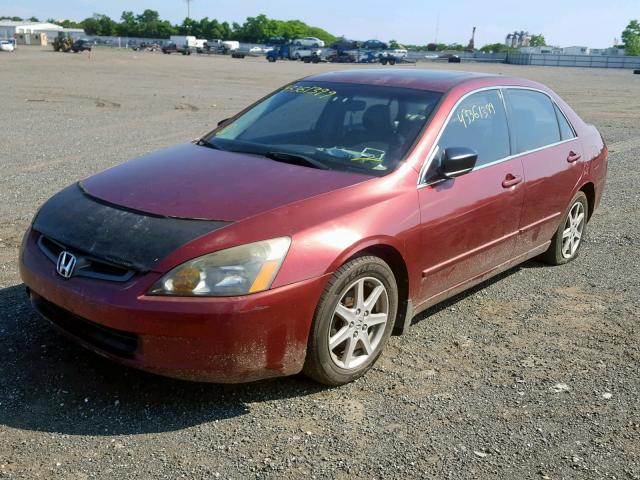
478, 122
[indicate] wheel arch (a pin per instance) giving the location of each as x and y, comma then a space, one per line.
589, 190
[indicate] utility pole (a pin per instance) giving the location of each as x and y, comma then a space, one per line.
188, 2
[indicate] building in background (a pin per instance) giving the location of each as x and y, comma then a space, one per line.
607, 51
541, 49
575, 50
10, 29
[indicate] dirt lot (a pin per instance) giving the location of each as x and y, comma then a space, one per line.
532, 375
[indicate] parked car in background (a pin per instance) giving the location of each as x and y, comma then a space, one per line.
257, 50
7, 46
169, 48
303, 231
289, 51
302, 53
146, 46
449, 57
81, 45
398, 52
308, 42
374, 45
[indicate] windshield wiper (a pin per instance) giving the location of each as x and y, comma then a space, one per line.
296, 159
205, 143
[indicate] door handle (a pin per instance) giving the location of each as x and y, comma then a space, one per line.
573, 157
511, 180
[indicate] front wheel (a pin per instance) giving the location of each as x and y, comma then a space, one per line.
566, 242
353, 321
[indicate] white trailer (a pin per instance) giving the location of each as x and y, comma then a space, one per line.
183, 41
231, 45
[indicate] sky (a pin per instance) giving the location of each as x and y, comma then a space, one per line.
563, 22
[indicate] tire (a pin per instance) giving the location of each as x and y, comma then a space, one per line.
271, 59
392, 61
383, 61
334, 366
559, 252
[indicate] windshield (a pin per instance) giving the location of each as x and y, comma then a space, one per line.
339, 126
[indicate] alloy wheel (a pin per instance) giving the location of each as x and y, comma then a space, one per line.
358, 323
573, 228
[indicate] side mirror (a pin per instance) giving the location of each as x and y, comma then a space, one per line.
223, 121
457, 161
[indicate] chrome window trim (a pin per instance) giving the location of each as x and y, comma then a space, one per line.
429, 158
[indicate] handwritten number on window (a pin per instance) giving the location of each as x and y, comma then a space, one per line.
312, 90
474, 113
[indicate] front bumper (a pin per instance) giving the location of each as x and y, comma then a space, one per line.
226, 340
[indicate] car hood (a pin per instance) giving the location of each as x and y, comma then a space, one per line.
190, 181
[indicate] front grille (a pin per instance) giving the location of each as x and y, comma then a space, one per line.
116, 342
87, 266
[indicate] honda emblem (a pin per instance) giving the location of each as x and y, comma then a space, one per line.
66, 264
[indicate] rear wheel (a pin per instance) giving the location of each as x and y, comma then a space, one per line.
566, 242
353, 321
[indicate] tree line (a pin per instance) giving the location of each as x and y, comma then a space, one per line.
148, 24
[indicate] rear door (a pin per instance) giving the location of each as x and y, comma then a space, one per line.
551, 156
469, 224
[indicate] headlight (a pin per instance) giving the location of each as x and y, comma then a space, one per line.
239, 270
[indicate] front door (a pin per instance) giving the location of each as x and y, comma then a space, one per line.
469, 224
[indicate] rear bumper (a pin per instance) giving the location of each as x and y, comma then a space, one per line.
226, 340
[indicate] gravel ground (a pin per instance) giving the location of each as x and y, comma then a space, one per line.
531, 375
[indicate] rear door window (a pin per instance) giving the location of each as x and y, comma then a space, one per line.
533, 120
566, 132
479, 122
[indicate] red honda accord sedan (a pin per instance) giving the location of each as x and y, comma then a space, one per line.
299, 234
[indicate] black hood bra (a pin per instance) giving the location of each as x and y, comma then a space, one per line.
115, 234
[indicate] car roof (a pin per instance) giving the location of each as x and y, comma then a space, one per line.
422, 79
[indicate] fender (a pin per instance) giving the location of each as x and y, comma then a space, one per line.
363, 244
